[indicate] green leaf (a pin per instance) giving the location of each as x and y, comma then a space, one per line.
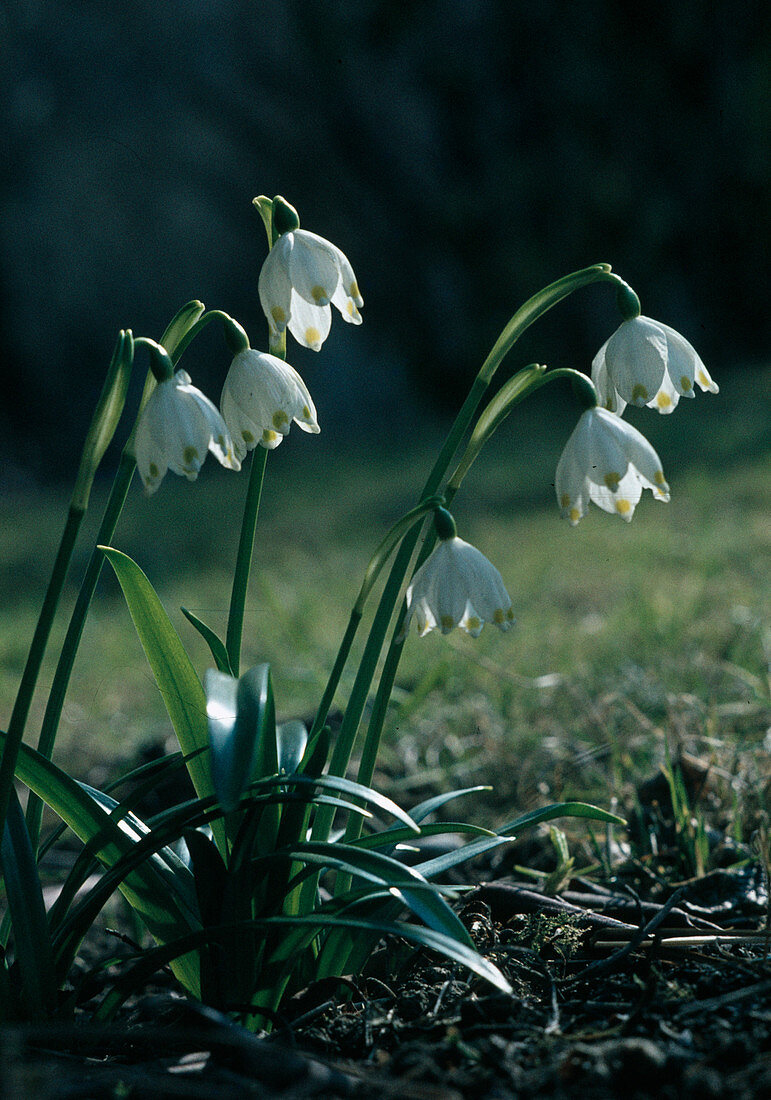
31, 937
159, 895
210, 874
404, 882
430, 868
346, 786
560, 809
291, 741
214, 642
389, 838
241, 724
149, 844
423, 809
440, 864
415, 933
174, 673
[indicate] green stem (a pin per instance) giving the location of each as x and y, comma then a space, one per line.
393, 656
334, 677
198, 326
75, 630
534, 308
378, 560
525, 316
244, 558
175, 336
385, 687
34, 661
106, 411
345, 739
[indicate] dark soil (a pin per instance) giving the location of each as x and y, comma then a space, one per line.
617, 994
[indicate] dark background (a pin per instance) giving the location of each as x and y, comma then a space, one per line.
463, 153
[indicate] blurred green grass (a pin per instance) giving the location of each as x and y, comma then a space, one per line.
627, 634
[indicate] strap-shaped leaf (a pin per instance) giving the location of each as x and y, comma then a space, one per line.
448, 946
32, 941
431, 868
423, 809
242, 732
346, 786
174, 673
560, 809
159, 895
214, 642
404, 882
392, 838
291, 742
298, 932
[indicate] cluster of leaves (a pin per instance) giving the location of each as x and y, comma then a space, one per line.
226, 882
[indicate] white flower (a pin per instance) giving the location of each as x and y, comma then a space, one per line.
261, 397
608, 461
457, 586
302, 274
177, 427
647, 363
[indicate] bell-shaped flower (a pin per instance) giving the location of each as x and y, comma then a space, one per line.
457, 586
301, 276
261, 397
177, 426
608, 461
647, 363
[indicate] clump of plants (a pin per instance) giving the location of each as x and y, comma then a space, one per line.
282, 868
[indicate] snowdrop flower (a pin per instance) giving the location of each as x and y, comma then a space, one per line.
457, 586
608, 461
178, 425
261, 397
647, 363
302, 274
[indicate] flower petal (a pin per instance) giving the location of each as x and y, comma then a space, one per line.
636, 358
608, 461
274, 285
607, 393
261, 397
313, 268
685, 366
309, 324
457, 586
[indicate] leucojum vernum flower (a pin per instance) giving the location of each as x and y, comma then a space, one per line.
261, 397
301, 276
242, 920
457, 586
177, 427
646, 362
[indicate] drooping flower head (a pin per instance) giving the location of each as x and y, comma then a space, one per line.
456, 586
608, 461
178, 425
647, 363
302, 275
261, 397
